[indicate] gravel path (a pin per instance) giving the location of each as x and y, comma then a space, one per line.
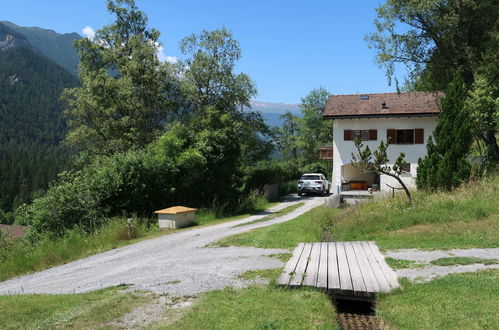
179, 264
429, 271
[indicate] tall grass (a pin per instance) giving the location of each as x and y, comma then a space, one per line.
467, 217
24, 256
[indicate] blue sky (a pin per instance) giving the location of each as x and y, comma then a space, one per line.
289, 47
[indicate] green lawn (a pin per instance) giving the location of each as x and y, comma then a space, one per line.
458, 301
466, 218
89, 310
260, 307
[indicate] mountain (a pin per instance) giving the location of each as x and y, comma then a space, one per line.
55, 46
32, 124
9, 39
272, 112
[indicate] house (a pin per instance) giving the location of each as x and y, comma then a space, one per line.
405, 119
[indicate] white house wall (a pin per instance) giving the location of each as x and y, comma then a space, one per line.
342, 150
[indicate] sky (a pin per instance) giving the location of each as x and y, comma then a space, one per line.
288, 47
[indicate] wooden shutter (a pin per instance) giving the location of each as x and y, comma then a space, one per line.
419, 136
391, 136
347, 135
373, 134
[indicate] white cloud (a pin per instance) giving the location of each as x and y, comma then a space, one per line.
88, 32
163, 57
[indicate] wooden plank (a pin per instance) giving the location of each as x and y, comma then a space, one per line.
390, 275
359, 287
290, 265
367, 273
301, 266
375, 267
313, 266
323, 266
333, 276
346, 286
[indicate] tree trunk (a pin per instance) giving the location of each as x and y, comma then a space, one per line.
491, 142
407, 192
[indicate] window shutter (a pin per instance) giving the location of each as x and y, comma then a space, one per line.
347, 135
373, 134
419, 136
391, 136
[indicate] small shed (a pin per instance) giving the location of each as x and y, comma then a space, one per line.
175, 217
326, 153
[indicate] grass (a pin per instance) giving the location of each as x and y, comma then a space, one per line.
400, 263
465, 218
268, 274
309, 227
273, 215
260, 307
89, 310
463, 261
22, 257
458, 301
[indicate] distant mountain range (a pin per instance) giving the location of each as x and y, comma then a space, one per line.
55, 46
272, 112
32, 124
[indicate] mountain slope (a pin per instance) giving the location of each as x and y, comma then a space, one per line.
57, 47
32, 124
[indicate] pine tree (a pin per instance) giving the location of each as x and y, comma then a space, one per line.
445, 166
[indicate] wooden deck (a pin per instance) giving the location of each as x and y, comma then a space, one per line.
344, 269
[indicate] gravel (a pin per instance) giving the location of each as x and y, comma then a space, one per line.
179, 264
431, 271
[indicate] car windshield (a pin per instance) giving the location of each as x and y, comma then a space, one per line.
310, 177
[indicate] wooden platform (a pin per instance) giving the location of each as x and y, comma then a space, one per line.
344, 269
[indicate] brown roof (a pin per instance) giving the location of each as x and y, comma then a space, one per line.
371, 105
175, 210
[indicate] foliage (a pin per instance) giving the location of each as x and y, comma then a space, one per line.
463, 261
209, 72
32, 125
377, 162
122, 102
435, 39
208, 80
300, 137
482, 104
445, 166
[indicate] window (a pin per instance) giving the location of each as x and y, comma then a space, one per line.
405, 136
406, 167
364, 134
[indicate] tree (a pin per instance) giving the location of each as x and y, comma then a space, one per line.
122, 102
287, 136
377, 162
314, 131
445, 165
436, 38
210, 79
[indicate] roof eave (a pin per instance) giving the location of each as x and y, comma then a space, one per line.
423, 114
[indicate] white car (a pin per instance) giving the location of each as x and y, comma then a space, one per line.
313, 183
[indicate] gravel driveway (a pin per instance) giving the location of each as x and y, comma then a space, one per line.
179, 264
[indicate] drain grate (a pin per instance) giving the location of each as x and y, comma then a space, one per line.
357, 315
